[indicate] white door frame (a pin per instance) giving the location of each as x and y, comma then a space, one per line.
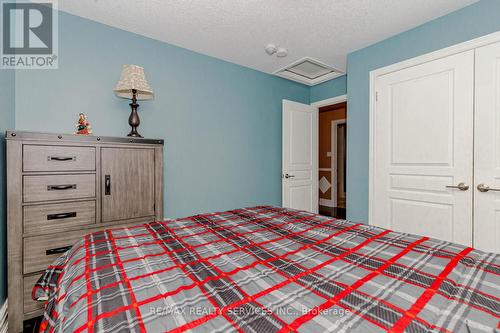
333, 148
445, 52
329, 101
320, 104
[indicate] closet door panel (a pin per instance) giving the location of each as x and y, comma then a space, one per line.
487, 149
422, 143
128, 178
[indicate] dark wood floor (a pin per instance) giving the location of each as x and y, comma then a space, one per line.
32, 325
337, 212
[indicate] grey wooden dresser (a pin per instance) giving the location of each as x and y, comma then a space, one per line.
61, 187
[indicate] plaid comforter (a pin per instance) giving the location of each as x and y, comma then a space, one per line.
267, 269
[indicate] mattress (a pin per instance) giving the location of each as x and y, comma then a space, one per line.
268, 269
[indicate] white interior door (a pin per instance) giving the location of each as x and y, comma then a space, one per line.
300, 156
422, 142
487, 149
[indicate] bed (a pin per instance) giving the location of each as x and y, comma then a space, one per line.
268, 269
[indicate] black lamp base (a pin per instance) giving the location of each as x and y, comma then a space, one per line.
134, 134
133, 119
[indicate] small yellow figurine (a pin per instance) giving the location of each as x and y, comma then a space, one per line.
83, 126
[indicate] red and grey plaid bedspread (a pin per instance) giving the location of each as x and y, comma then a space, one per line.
267, 269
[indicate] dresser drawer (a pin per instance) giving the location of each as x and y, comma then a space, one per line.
58, 187
29, 304
40, 251
41, 218
58, 158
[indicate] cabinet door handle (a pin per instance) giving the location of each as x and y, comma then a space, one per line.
61, 187
57, 250
486, 188
461, 187
107, 185
61, 158
61, 216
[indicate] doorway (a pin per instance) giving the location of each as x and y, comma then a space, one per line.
332, 160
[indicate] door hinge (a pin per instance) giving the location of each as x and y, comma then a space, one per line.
376, 96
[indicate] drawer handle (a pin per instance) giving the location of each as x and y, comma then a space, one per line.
61, 187
60, 216
107, 185
57, 250
61, 158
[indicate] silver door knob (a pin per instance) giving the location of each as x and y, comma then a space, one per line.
460, 186
486, 188
289, 176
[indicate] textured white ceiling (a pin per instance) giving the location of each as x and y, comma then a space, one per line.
238, 30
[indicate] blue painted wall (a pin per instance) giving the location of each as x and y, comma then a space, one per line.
329, 89
7, 107
221, 122
468, 23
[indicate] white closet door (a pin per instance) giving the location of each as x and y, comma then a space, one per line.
422, 143
487, 149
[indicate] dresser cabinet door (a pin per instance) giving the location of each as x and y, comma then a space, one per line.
128, 177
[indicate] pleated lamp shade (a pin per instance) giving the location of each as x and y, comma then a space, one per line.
133, 77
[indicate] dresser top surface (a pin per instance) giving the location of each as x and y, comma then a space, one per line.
37, 136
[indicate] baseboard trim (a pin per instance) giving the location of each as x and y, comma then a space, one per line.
3, 317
